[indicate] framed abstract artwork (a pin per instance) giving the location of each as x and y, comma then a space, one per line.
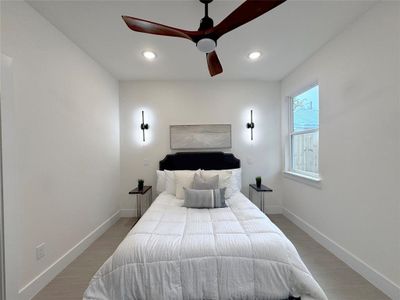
194, 137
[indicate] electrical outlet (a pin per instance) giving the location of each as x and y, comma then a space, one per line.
146, 162
40, 251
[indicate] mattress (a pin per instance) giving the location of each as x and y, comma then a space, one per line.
175, 252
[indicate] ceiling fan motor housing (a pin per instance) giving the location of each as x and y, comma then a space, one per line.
206, 23
206, 45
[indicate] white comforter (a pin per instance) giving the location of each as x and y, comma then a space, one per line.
226, 253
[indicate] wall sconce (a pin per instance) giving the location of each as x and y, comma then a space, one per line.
143, 126
251, 124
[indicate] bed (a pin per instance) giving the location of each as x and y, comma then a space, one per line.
174, 252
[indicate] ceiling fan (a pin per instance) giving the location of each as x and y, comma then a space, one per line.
207, 35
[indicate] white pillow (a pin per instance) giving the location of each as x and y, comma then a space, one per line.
161, 181
183, 179
170, 182
237, 175
225, 180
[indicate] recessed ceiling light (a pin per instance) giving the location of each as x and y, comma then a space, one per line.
254, 55
149, 55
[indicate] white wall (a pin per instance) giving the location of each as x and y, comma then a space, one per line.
357, 205
200, 102
66, 127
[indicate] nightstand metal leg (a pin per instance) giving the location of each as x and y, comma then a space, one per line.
138, 206
151, 197
262, 202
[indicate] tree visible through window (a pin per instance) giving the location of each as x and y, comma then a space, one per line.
304, 135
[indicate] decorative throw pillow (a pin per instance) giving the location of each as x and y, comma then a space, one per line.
225, 179
204, 198
183, 179
201, 183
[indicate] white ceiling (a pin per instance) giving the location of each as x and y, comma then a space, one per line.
286, 36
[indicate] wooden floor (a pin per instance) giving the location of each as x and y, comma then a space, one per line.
337, 280
71, 283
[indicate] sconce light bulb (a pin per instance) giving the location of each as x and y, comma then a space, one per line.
143, 126
251, 124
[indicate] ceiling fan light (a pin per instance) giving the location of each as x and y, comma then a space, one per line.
254, 55
149, 55
206, 45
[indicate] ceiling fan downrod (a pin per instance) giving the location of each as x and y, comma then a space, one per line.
206, 22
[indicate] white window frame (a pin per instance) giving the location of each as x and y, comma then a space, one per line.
290, 170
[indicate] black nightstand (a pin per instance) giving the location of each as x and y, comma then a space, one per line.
146, 192
262, 189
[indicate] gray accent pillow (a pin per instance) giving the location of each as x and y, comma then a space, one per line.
204, 198
201, 183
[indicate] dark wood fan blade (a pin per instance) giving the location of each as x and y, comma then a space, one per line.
214, 65
154, 28
246, 12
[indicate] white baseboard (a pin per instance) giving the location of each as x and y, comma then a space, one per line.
128, 213
33, 287
377, 279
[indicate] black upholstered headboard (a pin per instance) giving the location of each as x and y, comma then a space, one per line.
199, 160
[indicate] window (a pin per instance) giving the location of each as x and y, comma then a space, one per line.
304, 133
